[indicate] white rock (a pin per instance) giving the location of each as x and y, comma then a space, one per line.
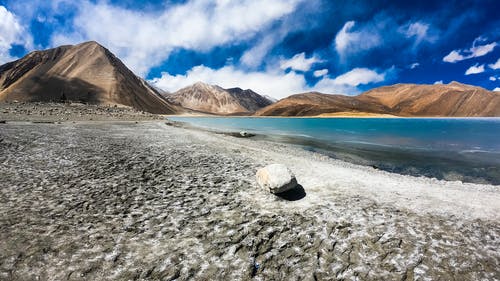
276, 178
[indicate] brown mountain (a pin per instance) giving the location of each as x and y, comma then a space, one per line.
454, 100
216, 100
314, 103
249, 99
87, 72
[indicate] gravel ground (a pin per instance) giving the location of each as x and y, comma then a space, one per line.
60, 112
147, 201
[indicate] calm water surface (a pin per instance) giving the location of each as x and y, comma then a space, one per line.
466, 149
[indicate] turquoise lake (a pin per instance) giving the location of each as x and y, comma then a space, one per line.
466, 149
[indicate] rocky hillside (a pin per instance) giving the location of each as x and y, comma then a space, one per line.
454, 100
249, 99
87, 72
314, 103
216, 100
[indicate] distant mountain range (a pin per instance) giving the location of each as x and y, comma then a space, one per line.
213, 99
411, 100
90, 73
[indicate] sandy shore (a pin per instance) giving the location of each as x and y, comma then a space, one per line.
355, 115
148, 201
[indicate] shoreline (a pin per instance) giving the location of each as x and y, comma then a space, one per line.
329, 117
297, 156
291, 156
418, 161
42, 111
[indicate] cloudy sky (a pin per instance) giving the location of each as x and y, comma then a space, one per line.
278, 47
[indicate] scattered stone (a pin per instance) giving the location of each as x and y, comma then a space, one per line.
276, 178
245, 134
38, 111
241, 134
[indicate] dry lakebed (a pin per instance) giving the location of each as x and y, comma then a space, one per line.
126, 200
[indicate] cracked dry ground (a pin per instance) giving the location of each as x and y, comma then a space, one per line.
145, 201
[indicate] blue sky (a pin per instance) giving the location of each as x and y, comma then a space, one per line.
279, 47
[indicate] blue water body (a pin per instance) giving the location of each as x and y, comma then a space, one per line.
466, 149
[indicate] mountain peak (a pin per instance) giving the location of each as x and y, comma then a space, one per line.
92, 48
455, 83
235, 89
200, 84
206, 98
249, 99
461, 85
87, 72
90, 43
240, 91
213, 99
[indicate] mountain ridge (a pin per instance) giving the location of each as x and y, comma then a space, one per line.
249, 99
90, 73
406, 100
86, 72
214, 99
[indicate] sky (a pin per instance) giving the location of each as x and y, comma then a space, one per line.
277, 48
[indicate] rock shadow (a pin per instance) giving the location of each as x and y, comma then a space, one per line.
61, 89
293, 194
241, 134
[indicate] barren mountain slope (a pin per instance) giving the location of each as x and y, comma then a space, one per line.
206, 98
313, 103
216, 100
249, 99
454, 100
87, 72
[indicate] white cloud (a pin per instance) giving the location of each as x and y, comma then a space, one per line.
348, 41
453, 56
495, 65
299, 62
420, 31
480, 51
414, 65
493, 78
440, 82
417, 29
144, 40
475, 69
347, 83
254, 56
344, 38
359, 76
320, 72
11, 32
277, 84
474, 52
497, 89
382, 30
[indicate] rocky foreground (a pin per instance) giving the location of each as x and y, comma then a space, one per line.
147, 201
60, 112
